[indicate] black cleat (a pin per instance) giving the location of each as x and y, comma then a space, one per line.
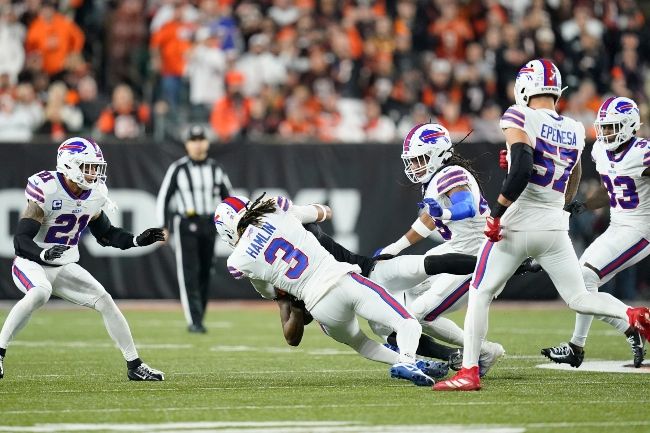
2, 369
635, 340
198, 329
564, 354
456, 360
144, 372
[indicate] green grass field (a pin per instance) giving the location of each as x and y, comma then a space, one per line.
63, 374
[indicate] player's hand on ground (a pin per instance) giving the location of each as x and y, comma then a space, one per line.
493, 229
150, 236
431, 206
54, 252
575, 207
528, 265
503, 159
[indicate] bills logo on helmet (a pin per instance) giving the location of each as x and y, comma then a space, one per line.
73, 147
217, 219
430, 136
624, 107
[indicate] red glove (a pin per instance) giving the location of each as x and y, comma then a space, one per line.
493, 229
503, 159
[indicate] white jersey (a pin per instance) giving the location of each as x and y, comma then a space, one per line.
66, 215
282, 253
622, 177
558, 143
466, 235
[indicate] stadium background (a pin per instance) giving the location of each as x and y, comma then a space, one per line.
310, 97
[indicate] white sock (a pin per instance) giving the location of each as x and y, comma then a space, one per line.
620, 324
583, 321
408, 338
476, 325
117, 326
19, 315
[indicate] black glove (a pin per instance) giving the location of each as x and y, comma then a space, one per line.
150, 236
528, 265
575, 207
54, 252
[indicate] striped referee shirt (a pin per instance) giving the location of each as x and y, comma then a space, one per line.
191, 188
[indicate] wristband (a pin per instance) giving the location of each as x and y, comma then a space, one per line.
322, 208
498, 210
135, 242
420, 228
396, 246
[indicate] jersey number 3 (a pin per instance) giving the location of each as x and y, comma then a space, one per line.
289, 254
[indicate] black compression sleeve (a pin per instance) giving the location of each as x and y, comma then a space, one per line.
340, 253
428, 347
451, 263
109, 236
521, 168
24, 244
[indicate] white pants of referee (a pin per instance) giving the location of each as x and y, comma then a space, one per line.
497, 262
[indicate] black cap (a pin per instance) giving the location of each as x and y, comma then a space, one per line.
196, 132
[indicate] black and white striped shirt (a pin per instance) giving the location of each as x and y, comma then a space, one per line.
191, 188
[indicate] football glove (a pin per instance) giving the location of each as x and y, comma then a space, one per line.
150, 236
54, 252
503, 159
493, 229
431, 206
575, 207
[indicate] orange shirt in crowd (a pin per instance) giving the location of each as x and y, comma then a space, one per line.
54, 41
124, 124
228, 119
173, 40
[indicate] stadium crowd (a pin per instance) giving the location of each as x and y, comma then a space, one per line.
304, 70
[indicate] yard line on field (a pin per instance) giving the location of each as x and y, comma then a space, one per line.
425, 404
551, 331
96, 345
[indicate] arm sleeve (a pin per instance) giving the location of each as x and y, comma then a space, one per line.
305, 214
462, 205
167, 189
521, 168
109, 236
24, 244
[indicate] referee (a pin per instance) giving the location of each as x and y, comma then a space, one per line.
191, 190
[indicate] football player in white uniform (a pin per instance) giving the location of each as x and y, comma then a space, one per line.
623, 162
544, 152
272, 249
455, 207
60, 205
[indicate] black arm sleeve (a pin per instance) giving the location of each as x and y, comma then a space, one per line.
520, 171
24, 244
450, 263
109, 236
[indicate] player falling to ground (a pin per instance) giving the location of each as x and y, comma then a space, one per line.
455, 207
623, 162
60, 205
544, 153
272, 249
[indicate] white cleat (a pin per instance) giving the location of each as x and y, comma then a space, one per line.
489, 357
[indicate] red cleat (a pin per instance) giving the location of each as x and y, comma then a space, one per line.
465, 380
639, 318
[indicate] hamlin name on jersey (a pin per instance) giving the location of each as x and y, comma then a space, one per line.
66, 215
466, 235
282, 253
622, 176
557, 142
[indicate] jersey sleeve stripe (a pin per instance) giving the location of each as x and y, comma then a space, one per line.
453, 182
646, 159
516, 114
32, 195
449, 175
35, 188
507, 118
235, 273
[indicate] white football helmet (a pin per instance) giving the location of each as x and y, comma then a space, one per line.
227, 216
426, 147
617, 122
82, 161
537, 77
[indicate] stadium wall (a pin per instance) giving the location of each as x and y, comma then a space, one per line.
372, 200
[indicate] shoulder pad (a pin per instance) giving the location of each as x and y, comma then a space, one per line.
514, 117
449, 178
40, 185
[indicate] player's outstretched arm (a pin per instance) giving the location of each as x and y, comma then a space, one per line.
573, 183
311, 213
28, 226
597, 200
420, 229
292, 318
108, 235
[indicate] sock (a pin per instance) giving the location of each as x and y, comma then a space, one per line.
133, 364
3, 351
117, 326
408, 336
476, 324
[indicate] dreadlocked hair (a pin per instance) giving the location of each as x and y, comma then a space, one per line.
254, 212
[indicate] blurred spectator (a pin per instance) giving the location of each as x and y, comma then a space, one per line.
583, 105
52, 39
12, 51
458, 124
91, 103
126, 43
284, 12
260, 66
206, 67
61, 117
378, 128
124, 118
15, 125
231, 114
27, 104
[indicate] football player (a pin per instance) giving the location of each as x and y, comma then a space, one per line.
544, 170
273, 249
453, 205
623, 162
60, 205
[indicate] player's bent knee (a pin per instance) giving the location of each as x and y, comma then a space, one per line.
38, 296
105, 302
592, 280
419, 309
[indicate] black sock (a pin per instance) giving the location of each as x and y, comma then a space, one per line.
133, 364
3, 351
428, 347
450, 263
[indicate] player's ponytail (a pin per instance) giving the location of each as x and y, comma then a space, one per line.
254, 212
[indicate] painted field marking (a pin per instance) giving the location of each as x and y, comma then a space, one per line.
599, 366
